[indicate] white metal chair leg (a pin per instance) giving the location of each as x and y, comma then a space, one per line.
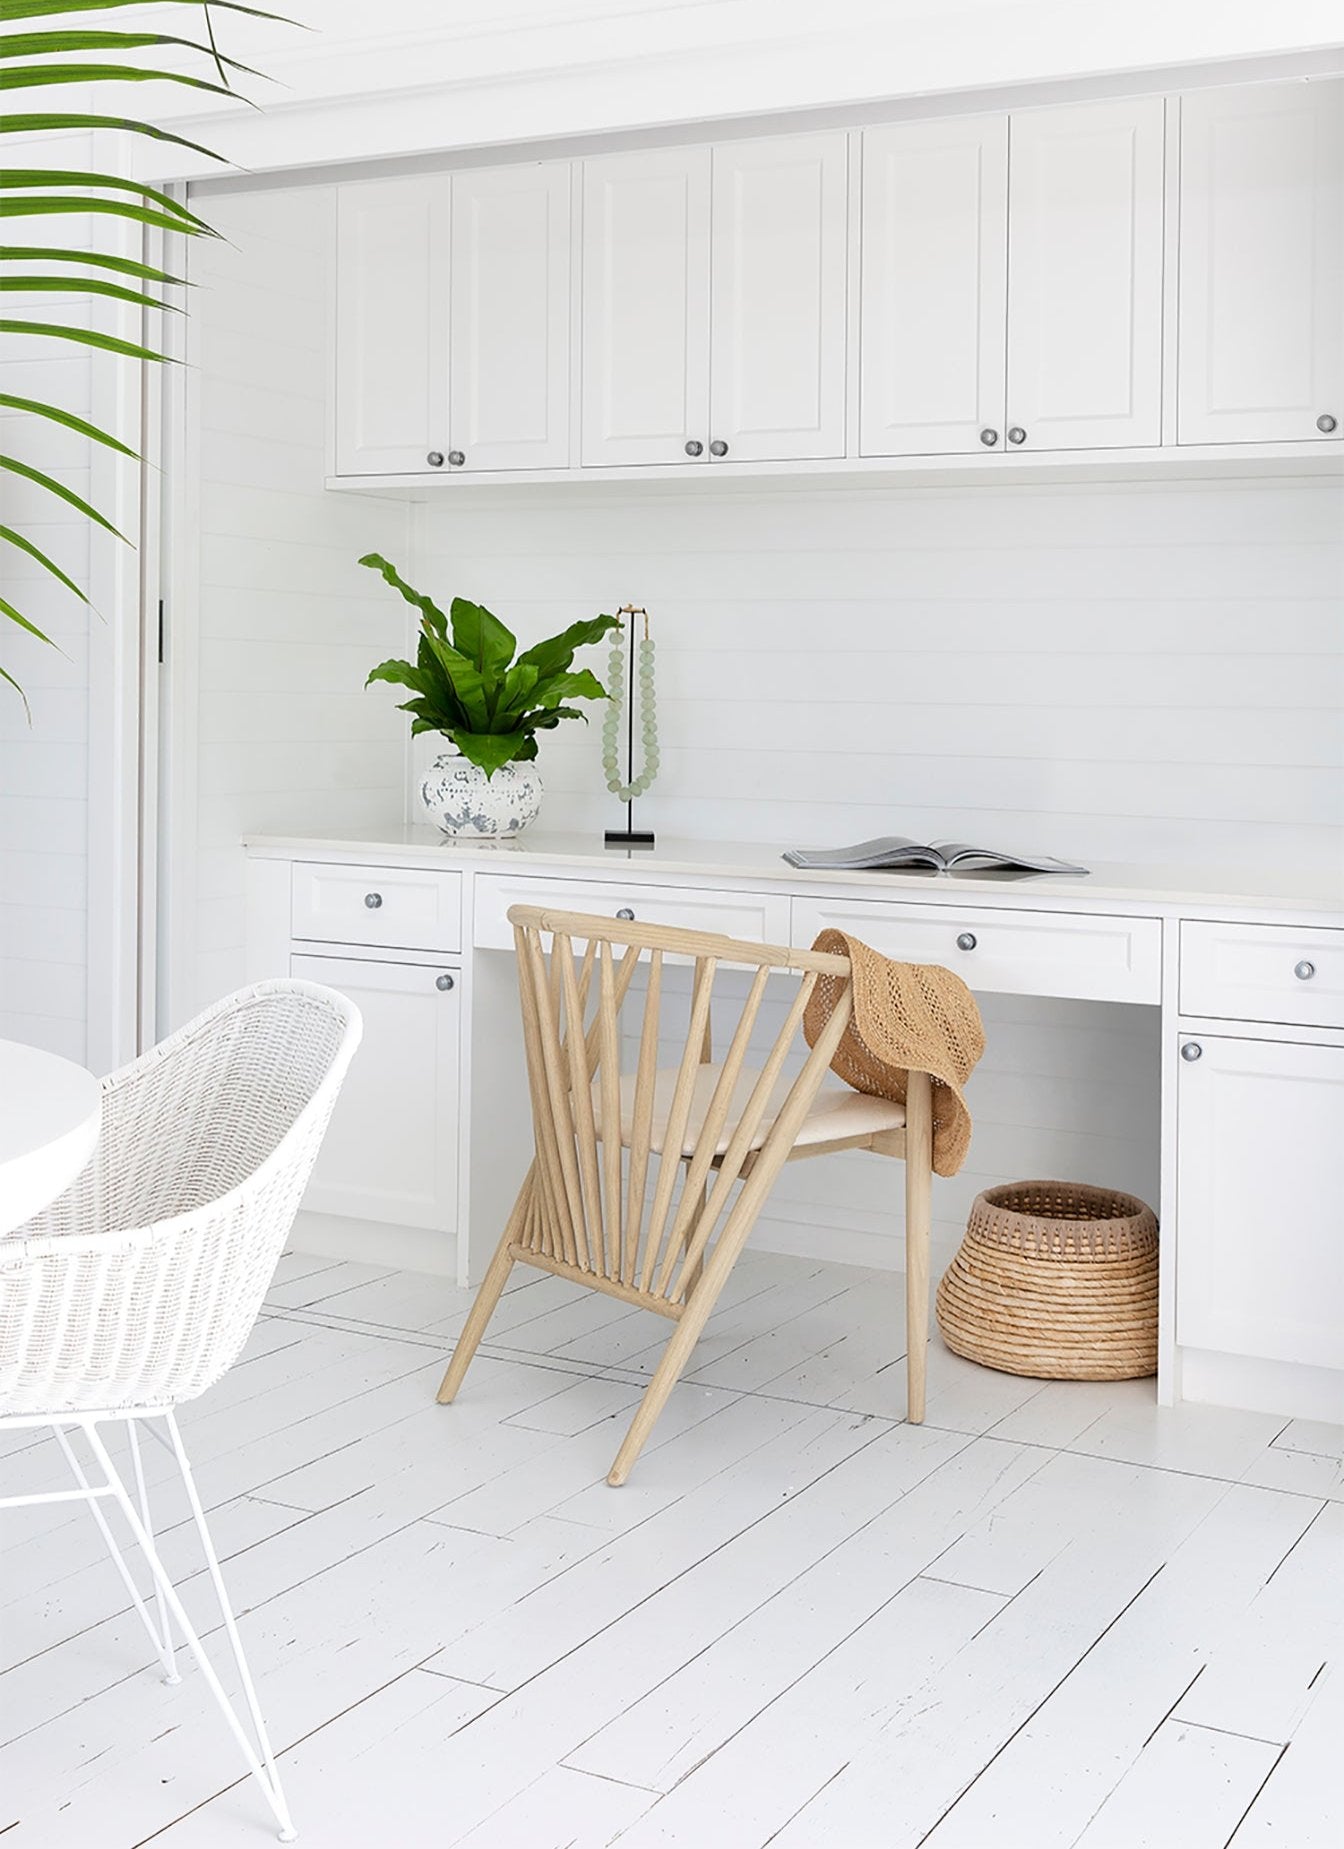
142, 1493
262, 1767
163, 1647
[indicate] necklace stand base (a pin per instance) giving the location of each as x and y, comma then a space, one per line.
628, 837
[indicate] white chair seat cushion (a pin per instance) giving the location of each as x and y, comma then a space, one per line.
836, 1113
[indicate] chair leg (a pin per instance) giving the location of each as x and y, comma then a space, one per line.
259, 1758
712, 1276
492, 1288
160, 1636
918, 1193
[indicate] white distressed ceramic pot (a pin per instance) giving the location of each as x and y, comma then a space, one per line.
460, 799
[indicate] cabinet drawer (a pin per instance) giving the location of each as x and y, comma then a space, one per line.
393, 908
1263, 973
761, 917
1013, 953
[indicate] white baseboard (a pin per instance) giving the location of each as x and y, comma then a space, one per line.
413, 1248
374, 1242
851, 1244
1282, 1387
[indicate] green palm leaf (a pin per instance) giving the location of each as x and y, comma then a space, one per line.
85, 337
44, 176
45, 9
38, 124
31, 405
83, 285
25, 206
17, 616
43, 44
34, 76
65, 54
125, 266
76, 501
12, 538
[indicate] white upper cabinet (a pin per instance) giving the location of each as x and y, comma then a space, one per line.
509, 334
1017, 290
645, 317
1085, 242
779, 253
391, 324
452, 322
1260, 348
933, 289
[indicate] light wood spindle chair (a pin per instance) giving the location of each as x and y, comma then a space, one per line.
630, 1191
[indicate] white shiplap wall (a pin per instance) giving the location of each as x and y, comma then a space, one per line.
1143, 672
44, 767
277, 625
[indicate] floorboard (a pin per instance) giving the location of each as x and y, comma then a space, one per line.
1054, 1616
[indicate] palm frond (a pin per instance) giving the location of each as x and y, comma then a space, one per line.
125, 266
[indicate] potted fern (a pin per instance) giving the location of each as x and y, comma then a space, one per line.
467, 686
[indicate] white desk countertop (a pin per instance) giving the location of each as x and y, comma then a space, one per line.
1314, 891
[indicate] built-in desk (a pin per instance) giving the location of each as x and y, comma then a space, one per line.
1245, 977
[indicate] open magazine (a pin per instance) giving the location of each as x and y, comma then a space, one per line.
896, 851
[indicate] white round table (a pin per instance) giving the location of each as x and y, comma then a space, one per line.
49, 1117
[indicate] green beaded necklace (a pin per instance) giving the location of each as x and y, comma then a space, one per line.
611, 725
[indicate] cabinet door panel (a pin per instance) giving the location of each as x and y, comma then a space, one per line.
777, 327
391, 386
645, 306
933, 294
391, 1151
1260, 352
1259, 1260
1085, 217
510, 317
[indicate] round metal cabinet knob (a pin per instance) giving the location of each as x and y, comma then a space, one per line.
1192, 1051
695, 447
373, 900
718, 447
456, 458
989, 438
966, 940
444, 982
627, 914
1017, 434
1326, 424
435, 459
1304, 971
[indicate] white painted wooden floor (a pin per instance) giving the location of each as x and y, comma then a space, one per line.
1054, 1615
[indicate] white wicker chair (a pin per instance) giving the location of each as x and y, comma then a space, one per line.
137, 1288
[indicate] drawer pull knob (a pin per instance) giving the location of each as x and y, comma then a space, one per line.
373, 900
626, 914
1304, 971
444, 982
966, 940
1192, 1050
1327, 424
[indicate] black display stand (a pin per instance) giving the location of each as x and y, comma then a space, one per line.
630, 836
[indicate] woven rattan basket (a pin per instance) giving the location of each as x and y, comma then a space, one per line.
1057, 1280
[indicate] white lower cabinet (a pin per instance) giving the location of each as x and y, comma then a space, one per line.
391, 1153
1259, 1252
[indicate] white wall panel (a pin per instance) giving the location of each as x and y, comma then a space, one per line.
284, 624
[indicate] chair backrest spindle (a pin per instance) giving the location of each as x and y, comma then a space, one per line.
630, 1182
